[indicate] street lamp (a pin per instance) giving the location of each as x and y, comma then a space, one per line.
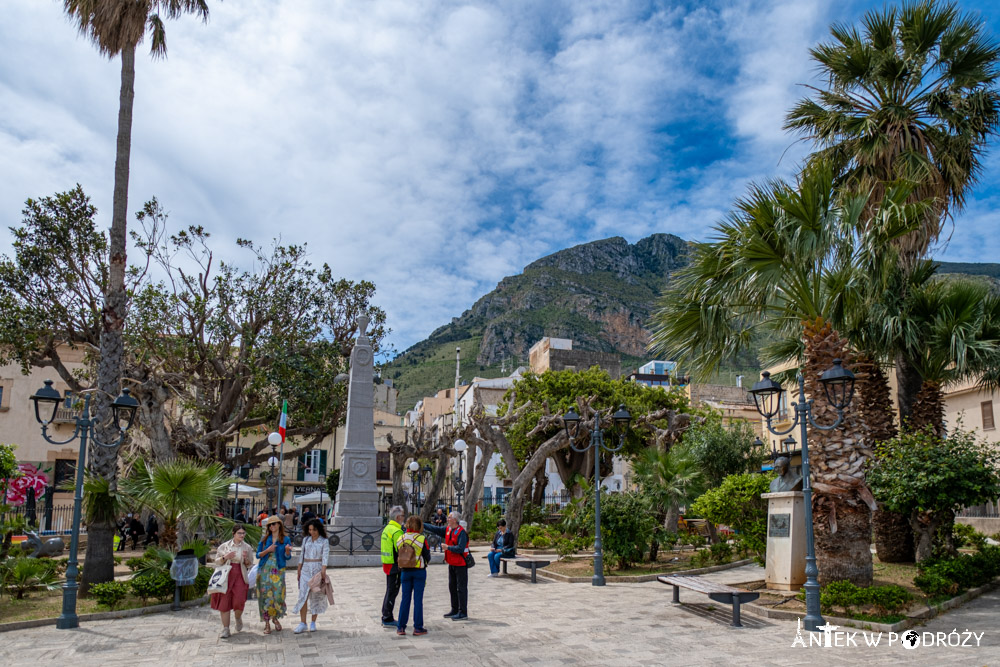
414, 484
460, 447
123, 411
838, 384
273, 483
571, 422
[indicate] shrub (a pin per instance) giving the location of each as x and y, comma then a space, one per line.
152, 584
565, 547
702, 558
542, 542
137, 563
528, 534
967, 536
110, 594
484, 523
951, 575
627, 526
737, 504
118, 560
721, 552
19, 575
884, 600
534, 514
935, 585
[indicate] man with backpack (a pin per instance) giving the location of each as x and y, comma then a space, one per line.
390, 534
412, 556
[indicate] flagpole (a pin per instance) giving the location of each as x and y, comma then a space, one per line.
281, 460
281, 455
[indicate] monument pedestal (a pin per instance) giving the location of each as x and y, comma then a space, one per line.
785, 567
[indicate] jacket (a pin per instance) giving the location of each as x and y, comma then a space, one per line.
456, 541
419, 545
279, 553
390, 534
505, 543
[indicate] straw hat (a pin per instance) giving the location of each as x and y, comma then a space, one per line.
271, 519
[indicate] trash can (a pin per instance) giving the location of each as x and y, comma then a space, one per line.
183, 571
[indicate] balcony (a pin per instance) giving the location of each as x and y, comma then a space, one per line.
66, 416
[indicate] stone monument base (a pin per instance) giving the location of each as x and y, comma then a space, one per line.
358, 542
785, 567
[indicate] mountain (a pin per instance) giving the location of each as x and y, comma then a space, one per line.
599, 294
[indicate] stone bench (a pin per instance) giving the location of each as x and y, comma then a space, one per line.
716, 592
526, 562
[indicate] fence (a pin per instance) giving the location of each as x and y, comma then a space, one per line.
987, 510
48, 520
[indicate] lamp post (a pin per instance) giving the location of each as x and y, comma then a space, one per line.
838, 384
414, 484
123, 409
571, 422
274, 439
460, 447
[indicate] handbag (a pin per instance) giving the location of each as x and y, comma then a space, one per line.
469, 560
219, 581
252, 576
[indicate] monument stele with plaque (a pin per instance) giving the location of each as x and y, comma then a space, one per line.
357, 495
785, 563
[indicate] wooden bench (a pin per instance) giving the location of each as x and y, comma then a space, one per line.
526, 562
716, 592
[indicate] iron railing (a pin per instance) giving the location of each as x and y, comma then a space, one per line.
986, 510
48, 520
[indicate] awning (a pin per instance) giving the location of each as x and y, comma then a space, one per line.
313, 498
244, 490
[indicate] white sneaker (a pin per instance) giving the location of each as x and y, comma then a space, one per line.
312, 627
225, 633
300, 628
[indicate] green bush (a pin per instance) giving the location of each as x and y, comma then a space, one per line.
118, 560
152, 584
484, 523
952, 575
884, 600
528, 534
935, 585
534, 514
200, 585
967, 536
737, 504
627, 526
136, 563
702, 558
565, 547
542, 542
110, 594
19, 575
721, 552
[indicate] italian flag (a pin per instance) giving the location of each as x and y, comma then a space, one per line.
284, 420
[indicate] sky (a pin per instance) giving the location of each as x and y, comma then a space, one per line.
433, 147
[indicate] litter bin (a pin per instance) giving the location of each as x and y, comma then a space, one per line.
183, 571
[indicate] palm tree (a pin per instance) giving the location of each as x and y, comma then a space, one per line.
911, 94
181, 492
669, 478
784, 266
117, 27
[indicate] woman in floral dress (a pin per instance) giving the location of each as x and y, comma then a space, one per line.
273, 552
315, 553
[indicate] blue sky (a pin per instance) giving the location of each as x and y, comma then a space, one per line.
433, 147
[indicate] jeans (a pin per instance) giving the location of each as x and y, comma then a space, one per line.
494, 558
413, 584
389, 601
458, 586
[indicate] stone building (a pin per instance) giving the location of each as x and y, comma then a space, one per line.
557, 354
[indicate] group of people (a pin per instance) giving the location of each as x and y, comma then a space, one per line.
405, 555
130, 527
273, 553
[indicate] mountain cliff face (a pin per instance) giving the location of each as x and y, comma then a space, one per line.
598, 294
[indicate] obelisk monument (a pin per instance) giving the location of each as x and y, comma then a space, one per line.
357, 496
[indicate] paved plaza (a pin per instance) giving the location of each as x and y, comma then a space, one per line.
512, 622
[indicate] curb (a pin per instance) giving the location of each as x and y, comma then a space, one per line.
913, 618
642, 578
103, 615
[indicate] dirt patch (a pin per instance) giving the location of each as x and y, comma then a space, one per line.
584, 567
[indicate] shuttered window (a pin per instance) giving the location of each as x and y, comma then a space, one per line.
987, 408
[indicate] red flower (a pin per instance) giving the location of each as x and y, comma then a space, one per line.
31, 478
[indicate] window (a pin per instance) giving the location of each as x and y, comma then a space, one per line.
65, 471
232, 453
383, 466
987, 408
68, 400
1, 396
312, 465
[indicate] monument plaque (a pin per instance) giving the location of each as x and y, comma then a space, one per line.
779, 525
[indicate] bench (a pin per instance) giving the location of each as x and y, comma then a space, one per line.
716, 592
526, 562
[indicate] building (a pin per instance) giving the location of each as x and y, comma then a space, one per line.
733, 402
557, 354
657, 374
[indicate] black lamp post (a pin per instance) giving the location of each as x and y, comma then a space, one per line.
571, 422
459, 480
838, 383
272, 477
123, 411
414, 484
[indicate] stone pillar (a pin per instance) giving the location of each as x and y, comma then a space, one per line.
785, 567
357, 495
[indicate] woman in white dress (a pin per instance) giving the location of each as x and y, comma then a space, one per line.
315, 552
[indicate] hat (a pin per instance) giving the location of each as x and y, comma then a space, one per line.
274, 518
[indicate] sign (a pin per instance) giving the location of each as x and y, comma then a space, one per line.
779, 525
301, 490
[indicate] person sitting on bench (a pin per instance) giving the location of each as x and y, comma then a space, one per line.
503, 547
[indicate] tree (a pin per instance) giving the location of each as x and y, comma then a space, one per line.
180, 492
929, 478
737, 503
116, 28
669, 479
720, 450
910, 95
784, 266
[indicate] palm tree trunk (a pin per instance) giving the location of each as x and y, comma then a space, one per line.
892, 532
841, 501
928, 409
104, 460
908, 383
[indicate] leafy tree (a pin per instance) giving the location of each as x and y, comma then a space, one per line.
116, 28
720, 450
626, 527
737, 503
9, 524
928, 479
333, 483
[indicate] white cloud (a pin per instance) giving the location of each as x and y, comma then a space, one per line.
430, 147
